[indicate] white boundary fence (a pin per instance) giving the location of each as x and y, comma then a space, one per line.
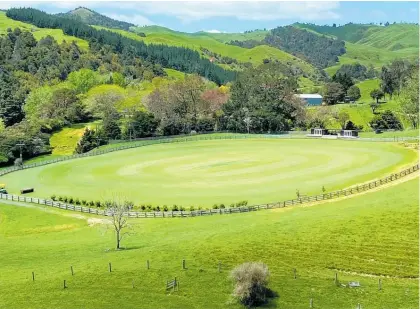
230, 210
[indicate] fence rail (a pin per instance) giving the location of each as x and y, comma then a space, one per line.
210, 212
176, 139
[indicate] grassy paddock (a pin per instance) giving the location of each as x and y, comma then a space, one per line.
375, 234
201, 173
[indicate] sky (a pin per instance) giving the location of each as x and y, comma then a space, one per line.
237, 16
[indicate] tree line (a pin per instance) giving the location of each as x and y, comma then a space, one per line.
260, 100
178, 58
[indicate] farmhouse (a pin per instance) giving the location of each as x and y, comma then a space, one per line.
311, 99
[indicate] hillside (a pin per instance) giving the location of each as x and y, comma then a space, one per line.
214, 43
39, 33
392, 37
91, 17
371, 44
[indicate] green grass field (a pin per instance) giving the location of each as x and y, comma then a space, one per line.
201, 173
39, 33
64, 141
256, 55
360, 237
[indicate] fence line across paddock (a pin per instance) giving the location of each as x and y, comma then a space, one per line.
210, 212
186, 138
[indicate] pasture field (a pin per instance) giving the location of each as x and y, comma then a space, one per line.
205, 172
39, 33
363, 238
256, 55
64, 142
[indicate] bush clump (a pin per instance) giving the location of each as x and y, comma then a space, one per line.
251, 281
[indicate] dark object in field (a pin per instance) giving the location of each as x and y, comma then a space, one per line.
27, 190
3, 191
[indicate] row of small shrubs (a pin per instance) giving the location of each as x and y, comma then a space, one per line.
143, 207
77, 201
239, 204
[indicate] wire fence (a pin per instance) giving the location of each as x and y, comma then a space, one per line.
177, 139
221, 211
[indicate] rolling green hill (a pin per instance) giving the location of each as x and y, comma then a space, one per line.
372, 44
214, 43
90, 17
39, 33
393, 37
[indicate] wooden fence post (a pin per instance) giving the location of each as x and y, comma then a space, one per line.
183, 264
64, 285
336, 278
294, 273
132, 283
71, 268
311, 303
110, 267
220, 266
379, 284
33, 276
148, 264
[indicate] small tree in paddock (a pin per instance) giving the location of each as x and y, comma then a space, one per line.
376, 94
119, 219
251, 281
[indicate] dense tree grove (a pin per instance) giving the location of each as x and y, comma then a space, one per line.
42, 86
178, 58
344, 80
386, 121
357, 71
409, 99
394, 76
319, 50
262, 100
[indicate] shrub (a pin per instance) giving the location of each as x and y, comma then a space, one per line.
142, 207
174, 208
232, 205
386, 121
157, 208
222, 206
98, 204
53, 197
165, 208
241, 203
71, 200
149, 207
65, 199
191, 208
251, 281
60, 198
92, 203
77, 201
84, 203
215, 206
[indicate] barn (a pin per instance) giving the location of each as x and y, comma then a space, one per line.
311, 99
